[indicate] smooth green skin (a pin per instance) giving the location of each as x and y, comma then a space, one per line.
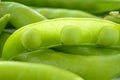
76, 35
107, 36
3, 37
51, 33
51, 13
10, 70
94, 67
92, 6
21, 15
88, 50
3, 22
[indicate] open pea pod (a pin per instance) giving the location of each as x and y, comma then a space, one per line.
26, 43
65, 31
94, 67
31, 71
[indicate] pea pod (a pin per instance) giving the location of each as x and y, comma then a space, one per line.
87, 50
3, 37
51, 33
60, 13
20, 14
29, 71
105, 67
3, 22
92, 6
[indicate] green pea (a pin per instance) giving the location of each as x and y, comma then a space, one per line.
51, 33
60, 13
31, 71
108, 36
75, 35
31, 40
92, 67
3, 22
20, 14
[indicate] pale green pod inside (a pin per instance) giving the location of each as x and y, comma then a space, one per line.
108, 36
31, 39
75, 35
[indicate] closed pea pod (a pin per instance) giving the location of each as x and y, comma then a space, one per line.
31, 71
17, 18
92, 6
89, 67
3, 37
3, 22
60, 13
51, 33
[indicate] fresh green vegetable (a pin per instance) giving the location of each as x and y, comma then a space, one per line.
3, 22
94, 67
28, 71
3, 37
51, 33
87, 50
65, 48
60, 13
92, 6
21, 15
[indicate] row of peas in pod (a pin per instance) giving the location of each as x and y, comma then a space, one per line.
59, 40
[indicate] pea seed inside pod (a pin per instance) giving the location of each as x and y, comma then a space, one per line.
108, 36
75, 35
31, 39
